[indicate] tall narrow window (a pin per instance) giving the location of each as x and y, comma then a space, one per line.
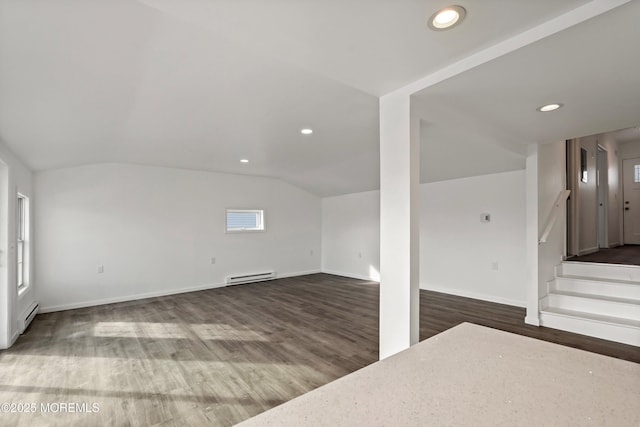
23, 233
583, 165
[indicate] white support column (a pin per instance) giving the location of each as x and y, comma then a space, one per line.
399, 225
533, 315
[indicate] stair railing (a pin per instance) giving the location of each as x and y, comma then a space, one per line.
553, 215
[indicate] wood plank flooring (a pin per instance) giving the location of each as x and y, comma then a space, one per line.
220, 356
628, 254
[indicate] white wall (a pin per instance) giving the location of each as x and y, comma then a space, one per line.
629, 150
458, 253
551, 181
156, 229
461, 255
14, 178
351, 235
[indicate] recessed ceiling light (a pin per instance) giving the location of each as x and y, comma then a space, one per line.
244, 161
306, 131
549, 107
447, 17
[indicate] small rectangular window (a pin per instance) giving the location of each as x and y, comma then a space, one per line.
245, 220
636, 174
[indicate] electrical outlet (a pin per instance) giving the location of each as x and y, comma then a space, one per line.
213, 260
311, 252
359, 254
101, 269
495, 265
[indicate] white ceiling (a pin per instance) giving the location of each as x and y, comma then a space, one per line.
589, 68
627, 136
202, 84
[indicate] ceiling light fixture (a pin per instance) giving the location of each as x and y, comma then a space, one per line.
306, 131
447, 18
549, 107
244, 161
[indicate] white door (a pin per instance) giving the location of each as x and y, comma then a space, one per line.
631, 202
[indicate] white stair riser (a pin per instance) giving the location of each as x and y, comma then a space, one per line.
588, 308
544, 302
607, 331
600, 271
593, 287
590, 305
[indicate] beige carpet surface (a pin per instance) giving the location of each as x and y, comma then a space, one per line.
474, 376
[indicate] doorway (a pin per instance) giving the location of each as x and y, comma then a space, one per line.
594, 206
588, 204
631, 200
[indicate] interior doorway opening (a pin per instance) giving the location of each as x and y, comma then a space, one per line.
602, 219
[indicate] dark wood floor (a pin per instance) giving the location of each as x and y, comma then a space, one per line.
217, 357
628, 254
439, 312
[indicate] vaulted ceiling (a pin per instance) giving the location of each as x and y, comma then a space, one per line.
202, 84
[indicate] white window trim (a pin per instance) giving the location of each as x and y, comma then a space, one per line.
23, 235
246, 230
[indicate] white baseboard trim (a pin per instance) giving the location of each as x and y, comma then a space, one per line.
297, 273
587, 251
474, 295
126, 298
350, 275
532, 320
163, 293
442, 289
594, 328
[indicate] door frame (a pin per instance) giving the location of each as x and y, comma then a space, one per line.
602, 191
573, 176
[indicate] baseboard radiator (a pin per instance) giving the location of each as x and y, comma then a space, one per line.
27, 317
250, 278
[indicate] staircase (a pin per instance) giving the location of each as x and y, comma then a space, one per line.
599, 300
